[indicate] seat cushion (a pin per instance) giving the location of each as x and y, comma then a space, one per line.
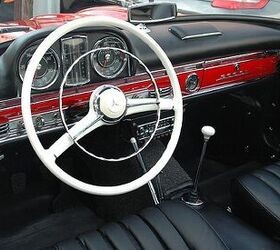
256, 198
172, 225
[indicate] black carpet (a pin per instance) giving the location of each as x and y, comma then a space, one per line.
52, 229
172, 176
110, 173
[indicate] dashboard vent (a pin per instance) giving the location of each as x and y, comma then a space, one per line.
4, 129
163, 92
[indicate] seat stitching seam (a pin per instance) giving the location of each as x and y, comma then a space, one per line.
106, 238
154, 231
267, 184
175, 228
258, 202
125, 228
83, 244
210, 226
272, 172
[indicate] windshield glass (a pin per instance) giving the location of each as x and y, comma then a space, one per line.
11, 10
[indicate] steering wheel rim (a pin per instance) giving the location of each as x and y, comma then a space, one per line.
49, 159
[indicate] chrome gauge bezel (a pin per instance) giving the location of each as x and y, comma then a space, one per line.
94, 62
58, 67
86, 42
187, 83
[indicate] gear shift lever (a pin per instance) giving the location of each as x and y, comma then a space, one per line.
192, 198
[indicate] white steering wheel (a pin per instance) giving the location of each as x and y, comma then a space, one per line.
109, 102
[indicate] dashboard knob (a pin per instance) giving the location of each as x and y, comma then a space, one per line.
39, 122
147, 131
141, 131
151, 129
4, 127
20, 126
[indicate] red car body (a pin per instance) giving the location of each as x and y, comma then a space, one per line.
58, 19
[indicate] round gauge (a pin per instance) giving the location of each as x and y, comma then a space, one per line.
192, 82
47, 70
109, 63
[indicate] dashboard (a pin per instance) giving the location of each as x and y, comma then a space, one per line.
203, 66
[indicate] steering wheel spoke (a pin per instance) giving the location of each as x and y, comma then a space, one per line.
140, 105
86, 125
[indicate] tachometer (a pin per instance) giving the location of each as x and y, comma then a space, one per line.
47, 71
109, 63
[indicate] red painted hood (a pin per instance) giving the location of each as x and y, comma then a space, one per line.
58, 19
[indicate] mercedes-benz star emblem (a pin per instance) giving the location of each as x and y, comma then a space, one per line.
115, 103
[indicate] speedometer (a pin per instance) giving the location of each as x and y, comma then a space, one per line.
47, 70
109, 63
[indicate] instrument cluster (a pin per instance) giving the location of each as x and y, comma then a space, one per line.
101, 62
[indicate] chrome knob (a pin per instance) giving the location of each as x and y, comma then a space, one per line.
39, 122
207, 132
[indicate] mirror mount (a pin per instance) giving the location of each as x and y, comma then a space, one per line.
152, 12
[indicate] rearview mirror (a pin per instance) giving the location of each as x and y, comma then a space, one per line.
152, 13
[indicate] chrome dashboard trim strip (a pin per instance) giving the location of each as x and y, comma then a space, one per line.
231, 59
205, 64
213, 89
202, 35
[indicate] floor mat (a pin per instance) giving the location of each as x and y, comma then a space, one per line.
17, 211
52, 229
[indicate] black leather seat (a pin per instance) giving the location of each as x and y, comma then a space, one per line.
256, 198
173, 225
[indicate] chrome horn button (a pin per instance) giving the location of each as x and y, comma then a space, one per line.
111, 103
